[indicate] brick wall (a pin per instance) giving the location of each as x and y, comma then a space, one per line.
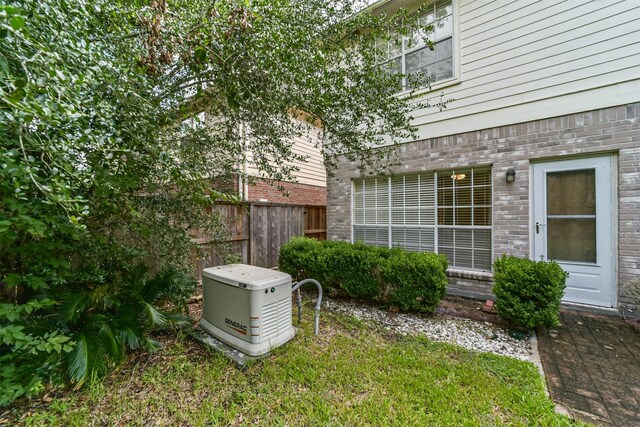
611, 130
294, 193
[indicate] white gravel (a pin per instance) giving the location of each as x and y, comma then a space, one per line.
478, 336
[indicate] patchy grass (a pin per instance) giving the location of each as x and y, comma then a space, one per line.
350, 374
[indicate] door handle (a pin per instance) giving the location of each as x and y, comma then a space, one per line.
538, 225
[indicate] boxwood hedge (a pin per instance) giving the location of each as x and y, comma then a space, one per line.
409, 280
528, 292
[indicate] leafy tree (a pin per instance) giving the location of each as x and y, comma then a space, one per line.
102, 180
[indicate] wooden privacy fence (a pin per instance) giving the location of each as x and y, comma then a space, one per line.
258, 230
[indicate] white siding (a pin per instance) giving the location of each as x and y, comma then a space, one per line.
523, 60
311, 171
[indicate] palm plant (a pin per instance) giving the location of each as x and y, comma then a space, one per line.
106, 320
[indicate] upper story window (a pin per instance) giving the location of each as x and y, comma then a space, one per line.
194, 122
413, 57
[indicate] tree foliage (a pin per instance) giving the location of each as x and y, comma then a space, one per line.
102, 180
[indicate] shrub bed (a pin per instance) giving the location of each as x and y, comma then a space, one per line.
528, 292
408, 280
416, 280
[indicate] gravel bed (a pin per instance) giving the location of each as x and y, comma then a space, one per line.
472, 335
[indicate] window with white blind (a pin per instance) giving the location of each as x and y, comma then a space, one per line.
447, 212
371, 202
411, 56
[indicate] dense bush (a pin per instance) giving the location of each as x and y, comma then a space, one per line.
89, 193
353, 269
300, 258
528, 292
92, 327
411, 281
345, 268
416, 280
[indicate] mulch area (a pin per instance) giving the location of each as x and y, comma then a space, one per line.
592, 367
470, 309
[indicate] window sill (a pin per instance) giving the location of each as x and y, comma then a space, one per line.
434, 87
484, 276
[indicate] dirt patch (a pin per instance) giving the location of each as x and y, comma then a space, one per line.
195, 305
469, 309
635, 324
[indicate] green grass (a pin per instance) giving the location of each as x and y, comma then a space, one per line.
350, 374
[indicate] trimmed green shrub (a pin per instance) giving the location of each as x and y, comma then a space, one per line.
416, 280
341, 266
528, 292
411, 281
352, 269
299, 257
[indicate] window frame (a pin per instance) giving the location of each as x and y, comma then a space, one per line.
436, 227
455, 58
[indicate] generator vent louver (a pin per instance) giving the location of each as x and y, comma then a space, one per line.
276, 317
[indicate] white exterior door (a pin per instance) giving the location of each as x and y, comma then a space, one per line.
573, 225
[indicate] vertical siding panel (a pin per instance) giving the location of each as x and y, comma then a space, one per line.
311, 171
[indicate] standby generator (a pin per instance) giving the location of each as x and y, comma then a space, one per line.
247, 307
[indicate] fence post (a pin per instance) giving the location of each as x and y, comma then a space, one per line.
250, 235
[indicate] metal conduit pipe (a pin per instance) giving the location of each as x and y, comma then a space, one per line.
296, 287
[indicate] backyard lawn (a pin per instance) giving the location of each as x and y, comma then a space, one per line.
351, 374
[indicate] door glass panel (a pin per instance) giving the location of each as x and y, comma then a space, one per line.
571, 239
571, 215
571, 192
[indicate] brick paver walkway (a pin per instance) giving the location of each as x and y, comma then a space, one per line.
592, 367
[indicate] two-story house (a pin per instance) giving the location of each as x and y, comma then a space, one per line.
538, 154
307, 183
310, 185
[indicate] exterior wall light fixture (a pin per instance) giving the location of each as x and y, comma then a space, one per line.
511, 175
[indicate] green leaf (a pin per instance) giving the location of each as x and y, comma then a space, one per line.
9, 10
4, 65
60, 339
79, 360
200, 54
16, 22
129, 337
110, 343
154, 317
72, 306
